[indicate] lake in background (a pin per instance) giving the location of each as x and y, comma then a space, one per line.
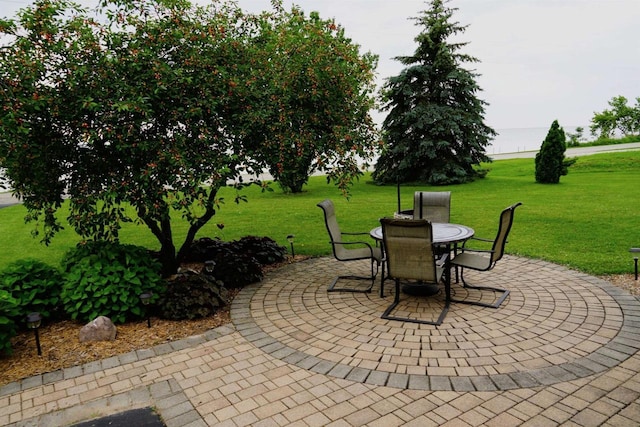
525, 139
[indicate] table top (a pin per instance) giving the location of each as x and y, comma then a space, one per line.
442, 232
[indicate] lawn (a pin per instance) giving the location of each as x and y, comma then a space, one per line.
587, 222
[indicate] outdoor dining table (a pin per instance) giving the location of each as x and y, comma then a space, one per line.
443, 234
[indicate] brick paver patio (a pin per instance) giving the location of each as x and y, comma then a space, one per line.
561, 350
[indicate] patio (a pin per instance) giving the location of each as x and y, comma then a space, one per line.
562, 349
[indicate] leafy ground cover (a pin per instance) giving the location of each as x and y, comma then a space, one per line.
588, 221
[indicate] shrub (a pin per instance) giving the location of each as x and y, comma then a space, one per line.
237, 270
238, 263
264, 249
9, 310
106, 279
190, 296
550, 162
35, 285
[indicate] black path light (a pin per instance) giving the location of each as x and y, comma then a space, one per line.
635, 260
209, 266
34, 320
146, 300
290, 238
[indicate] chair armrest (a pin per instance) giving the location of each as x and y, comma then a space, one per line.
443, 260
363, 233
477, 239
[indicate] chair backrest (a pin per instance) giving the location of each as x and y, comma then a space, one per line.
333, 228
434, 206
506, 221
408, 246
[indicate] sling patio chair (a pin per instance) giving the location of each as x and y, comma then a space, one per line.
345, 250
432, 205
484, 260
410, 256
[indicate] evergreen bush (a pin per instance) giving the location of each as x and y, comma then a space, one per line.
550, 161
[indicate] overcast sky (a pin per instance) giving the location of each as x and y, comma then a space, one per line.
540, 60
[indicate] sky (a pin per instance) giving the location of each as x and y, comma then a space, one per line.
540, 60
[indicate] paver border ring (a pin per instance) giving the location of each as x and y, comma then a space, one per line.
557, 325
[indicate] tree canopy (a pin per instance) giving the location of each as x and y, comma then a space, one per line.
621, 117
147, 109
311, 100
434, 130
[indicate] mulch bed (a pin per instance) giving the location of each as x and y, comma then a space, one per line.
61, 347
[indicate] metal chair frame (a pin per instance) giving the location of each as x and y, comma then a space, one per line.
472, 258
350, 250
422, 265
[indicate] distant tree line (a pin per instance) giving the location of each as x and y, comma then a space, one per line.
620, 118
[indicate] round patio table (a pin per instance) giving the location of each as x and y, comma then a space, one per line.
444, 234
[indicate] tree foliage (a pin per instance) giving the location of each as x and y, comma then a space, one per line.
434, 130
621, 117
310, 99
145, 108
550, 161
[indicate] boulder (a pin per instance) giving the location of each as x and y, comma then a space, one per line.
100, 329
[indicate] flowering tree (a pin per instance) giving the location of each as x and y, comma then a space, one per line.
133, 112
310, 99
142, 116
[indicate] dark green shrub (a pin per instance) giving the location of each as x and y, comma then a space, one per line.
550, 162
237, 263
205, 249
35, 285
190, 296
264, 249
9, 310
237, 270
106, 279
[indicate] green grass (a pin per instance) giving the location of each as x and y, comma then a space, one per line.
587, 222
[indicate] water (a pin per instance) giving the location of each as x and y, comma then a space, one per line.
516, 140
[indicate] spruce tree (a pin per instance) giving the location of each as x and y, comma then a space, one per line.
550, 161
434, 131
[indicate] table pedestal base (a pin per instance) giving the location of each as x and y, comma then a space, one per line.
420, 289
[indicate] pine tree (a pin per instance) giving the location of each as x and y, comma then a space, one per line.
550, 161
434, 131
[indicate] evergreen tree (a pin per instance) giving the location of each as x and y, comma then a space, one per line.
550, 161
434, 131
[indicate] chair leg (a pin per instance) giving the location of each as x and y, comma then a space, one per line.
372, 278
496, 304
396, 299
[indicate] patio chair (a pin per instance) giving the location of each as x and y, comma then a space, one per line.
350, 250
484, 260
410, 255
432, 205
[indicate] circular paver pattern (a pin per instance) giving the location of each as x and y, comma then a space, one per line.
556, 325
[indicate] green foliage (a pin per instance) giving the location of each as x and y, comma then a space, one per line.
35, 285
434, 131
9, 310
235, 262
106, 279
264, 249
575, 138
190, 296
550, 162
621, 117
308, 100
144, 112
601, 185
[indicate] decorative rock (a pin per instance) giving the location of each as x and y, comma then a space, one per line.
100, 329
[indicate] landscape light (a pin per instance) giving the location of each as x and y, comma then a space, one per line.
34, 320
